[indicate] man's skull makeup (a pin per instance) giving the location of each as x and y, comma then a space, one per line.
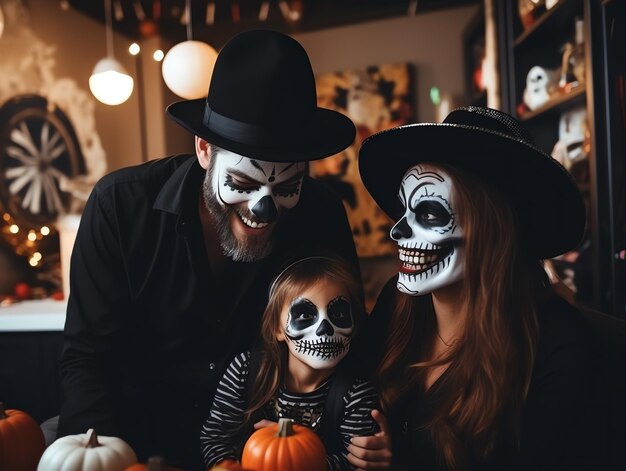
259, 189
428, 236
319, 336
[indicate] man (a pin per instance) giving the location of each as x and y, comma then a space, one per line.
173, 258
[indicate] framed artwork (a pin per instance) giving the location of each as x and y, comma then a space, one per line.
375, 98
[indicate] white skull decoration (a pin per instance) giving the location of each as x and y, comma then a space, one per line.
540, 83
319, 336
430, 242
570, 148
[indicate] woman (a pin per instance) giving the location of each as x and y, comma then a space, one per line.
482, 366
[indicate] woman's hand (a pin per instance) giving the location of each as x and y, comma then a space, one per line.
374, 451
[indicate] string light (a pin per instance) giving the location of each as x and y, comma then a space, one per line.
26, 241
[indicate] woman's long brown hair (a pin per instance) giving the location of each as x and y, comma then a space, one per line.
288, 285
487, 387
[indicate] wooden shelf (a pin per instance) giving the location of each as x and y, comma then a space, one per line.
558, 102
553, 19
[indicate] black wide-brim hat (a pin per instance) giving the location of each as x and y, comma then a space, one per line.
262, 103
497, 149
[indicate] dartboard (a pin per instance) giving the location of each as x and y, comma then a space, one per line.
38, 150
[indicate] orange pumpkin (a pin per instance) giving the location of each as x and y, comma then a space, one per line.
284, 447
155, 463
227, 465
21, 441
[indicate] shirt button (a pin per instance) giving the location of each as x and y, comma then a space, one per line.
211, 366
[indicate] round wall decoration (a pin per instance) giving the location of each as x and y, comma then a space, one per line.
39, 152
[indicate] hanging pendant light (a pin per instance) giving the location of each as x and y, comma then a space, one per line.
109, 81
187, 67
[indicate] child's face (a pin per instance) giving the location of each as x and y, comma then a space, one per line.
318, 325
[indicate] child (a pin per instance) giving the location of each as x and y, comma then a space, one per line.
314, 309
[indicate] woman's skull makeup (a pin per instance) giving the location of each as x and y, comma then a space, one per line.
319, 334
430, 242
265, 187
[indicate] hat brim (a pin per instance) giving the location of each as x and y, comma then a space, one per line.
327, 133
547, 200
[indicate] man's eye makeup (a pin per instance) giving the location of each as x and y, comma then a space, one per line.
241, 183
235, 183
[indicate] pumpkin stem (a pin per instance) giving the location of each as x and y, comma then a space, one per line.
156, 463
92, 439
2, 413
285, 428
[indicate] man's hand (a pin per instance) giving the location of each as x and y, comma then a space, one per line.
374, 451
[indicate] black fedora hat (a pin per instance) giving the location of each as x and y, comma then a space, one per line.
262, 103
495, 147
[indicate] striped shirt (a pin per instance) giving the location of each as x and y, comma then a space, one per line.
221, 436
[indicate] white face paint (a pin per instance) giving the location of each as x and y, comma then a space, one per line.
428, 236
263, 188
319, 326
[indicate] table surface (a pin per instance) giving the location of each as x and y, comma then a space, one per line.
33, 316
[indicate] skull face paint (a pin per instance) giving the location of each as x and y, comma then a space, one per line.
258, 190
428, 236
318, 327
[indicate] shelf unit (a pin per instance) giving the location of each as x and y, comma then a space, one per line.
597, 269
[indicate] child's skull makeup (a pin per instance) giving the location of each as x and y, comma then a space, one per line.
265, 188
430, 242
319, 334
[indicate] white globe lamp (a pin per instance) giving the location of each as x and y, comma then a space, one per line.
110, 83
187, 69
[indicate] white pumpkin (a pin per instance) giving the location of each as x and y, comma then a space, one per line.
87, 452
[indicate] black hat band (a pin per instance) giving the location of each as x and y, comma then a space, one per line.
247, 133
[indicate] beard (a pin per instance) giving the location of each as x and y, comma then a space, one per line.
249, 250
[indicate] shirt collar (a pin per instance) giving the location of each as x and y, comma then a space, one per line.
182, 186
